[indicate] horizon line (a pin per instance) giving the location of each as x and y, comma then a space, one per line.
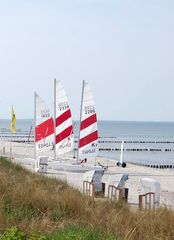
109, 120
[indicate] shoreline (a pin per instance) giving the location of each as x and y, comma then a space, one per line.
23, 154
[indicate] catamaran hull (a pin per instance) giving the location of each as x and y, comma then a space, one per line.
69, 167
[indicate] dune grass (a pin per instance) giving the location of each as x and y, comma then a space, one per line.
34, 203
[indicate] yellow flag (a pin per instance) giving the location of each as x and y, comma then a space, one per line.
13, 121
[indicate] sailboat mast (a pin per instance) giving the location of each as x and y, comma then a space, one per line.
55, 119
35, 127
11, 137
80, 120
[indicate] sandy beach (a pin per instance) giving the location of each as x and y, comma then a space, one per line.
23, 154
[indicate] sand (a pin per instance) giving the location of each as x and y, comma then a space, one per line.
23, 154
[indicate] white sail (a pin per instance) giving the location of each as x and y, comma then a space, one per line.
88, 137
121, 153
63, 121
44, 127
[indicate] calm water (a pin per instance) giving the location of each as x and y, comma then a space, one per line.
137, 129
122, 130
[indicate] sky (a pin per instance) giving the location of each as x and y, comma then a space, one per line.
123, 48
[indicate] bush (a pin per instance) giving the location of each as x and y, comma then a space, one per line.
13, 234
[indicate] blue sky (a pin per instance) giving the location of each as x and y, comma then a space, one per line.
124, 49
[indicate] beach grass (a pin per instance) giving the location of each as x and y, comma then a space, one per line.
40, 206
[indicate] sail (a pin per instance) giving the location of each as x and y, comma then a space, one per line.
63, 121
121, 153
88, 139
44, 127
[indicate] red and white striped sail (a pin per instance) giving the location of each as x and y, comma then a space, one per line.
44, 127
63, 121
88, 140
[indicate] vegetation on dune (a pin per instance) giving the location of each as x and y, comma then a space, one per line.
70, 233
36, 207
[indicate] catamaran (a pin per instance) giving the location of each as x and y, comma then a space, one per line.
63, 129
44, 129
88, 133
64, 139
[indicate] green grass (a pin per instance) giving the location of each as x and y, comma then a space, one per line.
71, 233
46, 208
76, 233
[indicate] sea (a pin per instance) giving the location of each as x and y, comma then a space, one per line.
146, 143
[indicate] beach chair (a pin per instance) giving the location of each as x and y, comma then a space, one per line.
42, 164
115, 186
92, 184
149, 197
